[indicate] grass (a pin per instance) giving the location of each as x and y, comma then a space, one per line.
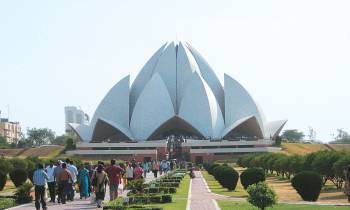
42, 152
215, 187
229, 205
298, 148
179, 199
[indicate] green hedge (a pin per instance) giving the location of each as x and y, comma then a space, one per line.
308, 184
252, 176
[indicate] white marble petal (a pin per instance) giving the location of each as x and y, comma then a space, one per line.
166, 68
239, 104
83, 131
186, 65
209, 76
115, 105
143, 77
274, 128
200, 109
152, 109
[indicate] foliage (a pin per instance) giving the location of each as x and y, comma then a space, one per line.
308, 184
70, 144
224, 174
6, 203
261, 196
342, 137
323, 163
18, 163
229, 178
18, 176
293, 135
3, 179
40, 136
22, 194
252, 176
5, 166
136, 186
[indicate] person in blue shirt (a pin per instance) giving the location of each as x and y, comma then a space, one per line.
40, 179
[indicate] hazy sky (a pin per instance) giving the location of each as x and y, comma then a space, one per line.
292, 56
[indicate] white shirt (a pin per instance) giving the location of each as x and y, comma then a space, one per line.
49, 171
129, 172
73, 171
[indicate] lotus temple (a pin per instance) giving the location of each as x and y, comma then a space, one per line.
176, 108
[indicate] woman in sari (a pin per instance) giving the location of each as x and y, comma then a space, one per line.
99, 182
83, 179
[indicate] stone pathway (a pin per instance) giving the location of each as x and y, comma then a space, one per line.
200, 197
77, 203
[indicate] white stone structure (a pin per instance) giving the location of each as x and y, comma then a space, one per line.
177, 92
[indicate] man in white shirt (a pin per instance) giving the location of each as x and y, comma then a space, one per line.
51, 181
74, 172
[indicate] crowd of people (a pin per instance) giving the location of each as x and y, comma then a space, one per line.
64, 179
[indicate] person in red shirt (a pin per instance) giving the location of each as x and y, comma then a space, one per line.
138, 171
114, 173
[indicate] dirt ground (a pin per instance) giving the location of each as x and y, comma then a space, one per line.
286, 192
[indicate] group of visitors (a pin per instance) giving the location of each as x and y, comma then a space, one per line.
63, 179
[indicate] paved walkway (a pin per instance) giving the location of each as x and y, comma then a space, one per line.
200, 197
77, 203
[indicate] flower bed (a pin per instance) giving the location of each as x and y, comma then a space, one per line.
157, 191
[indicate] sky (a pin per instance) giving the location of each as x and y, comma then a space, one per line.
292, 56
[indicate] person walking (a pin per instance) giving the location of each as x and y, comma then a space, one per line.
56, 172
155, 168
51, 181
73, 172
129, 172
138, 171
145, 167
114, 173
40, 179
99, 182
347, 182
83, 181
64, 177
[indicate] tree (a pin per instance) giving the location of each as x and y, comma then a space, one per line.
70, 144
59, 140
3, 141
261, 196
293, 135
342, 137
40, 136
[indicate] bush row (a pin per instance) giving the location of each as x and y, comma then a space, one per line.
225, 175
329, 164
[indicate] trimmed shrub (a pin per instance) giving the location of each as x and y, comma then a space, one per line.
261, 196
252, 176
18, 163
217, 173
211, 167
308, 184
3, 179
5, 165
172, 190
18, 176
22, 194
167, 198
6, 203
229, 178
155, 199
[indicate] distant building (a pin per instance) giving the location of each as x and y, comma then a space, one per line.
74, 115
9, 130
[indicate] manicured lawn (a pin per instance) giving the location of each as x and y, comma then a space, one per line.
215, 187
179, 199
229, 205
